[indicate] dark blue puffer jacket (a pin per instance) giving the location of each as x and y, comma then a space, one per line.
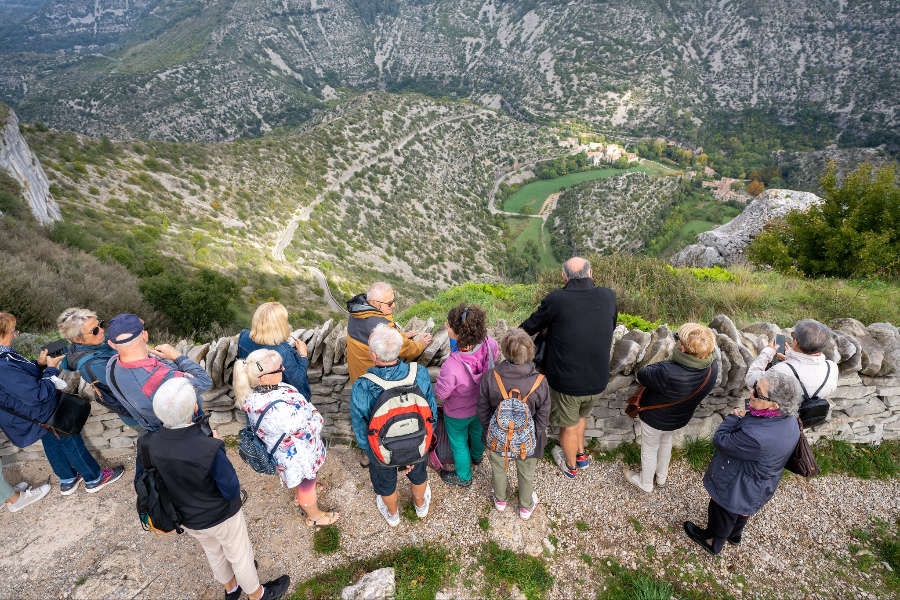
26, 389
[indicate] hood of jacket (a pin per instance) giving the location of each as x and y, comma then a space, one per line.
359, 307
479, 359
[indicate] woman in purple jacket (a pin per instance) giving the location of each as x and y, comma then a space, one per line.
472, 353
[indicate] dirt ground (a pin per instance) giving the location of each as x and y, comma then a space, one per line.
92, 546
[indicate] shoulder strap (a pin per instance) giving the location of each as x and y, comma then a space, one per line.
144, 449
500, 384
123, 399
12, 412
537, 382
112, 376
389, 385
803, 387
702, 385
263, 413
827, 375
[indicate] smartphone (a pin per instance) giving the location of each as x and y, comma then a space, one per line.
779, 343
57, 348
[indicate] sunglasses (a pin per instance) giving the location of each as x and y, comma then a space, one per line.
96, 329
758, 395
278, 370
388, 304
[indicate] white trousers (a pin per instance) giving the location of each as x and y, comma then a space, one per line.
656, 452
228, 550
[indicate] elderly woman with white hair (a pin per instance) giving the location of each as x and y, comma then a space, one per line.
204, 488
292, 427
752, 448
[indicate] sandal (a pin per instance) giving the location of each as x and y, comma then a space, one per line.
320, 487
330, 517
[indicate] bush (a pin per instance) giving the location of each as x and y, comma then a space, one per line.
710, 274
633, 322
193, 302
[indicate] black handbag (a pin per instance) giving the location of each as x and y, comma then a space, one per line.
802, 460
540, 349
67, 419
813, 410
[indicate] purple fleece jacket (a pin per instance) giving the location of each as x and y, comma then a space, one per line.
460, 378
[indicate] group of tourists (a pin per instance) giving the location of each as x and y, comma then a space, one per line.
489, 398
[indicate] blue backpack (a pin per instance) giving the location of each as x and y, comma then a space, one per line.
511, 431
253, 450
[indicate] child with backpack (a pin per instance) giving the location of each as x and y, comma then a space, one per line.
472, 353
514, 410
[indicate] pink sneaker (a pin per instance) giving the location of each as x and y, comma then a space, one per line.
501, 506
524, 513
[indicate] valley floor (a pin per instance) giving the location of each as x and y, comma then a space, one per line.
798, 546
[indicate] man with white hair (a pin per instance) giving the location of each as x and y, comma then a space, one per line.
204, 488
367, 311
384, 346
137, 372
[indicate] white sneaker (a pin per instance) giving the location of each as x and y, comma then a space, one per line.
635, 480
29, 496
526, 514
392, 520
19, 487
422, 511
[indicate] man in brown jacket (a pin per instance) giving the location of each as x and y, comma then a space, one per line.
516, 372
367, 311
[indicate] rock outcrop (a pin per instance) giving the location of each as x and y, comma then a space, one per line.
725, 245
23, 165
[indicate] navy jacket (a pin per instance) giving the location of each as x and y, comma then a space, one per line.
294, 365
669, 381
26, 389
750, 456
580, 320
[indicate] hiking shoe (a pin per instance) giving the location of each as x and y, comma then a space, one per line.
235, 595
635, 479
364, 460
68, 489
276, 588
392, 520
524, 513
108, 476
244, 496
696, 536
422, 511
734, 541
582, 460
451, 478
501, 506
478, 462
559, 457
29, 496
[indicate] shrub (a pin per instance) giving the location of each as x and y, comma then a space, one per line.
633, 322
193, 302
710, 274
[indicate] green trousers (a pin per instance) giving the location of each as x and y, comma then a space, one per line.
6, 490
524, 469
465, 441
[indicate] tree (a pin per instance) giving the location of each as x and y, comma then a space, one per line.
855, 232
194, 302
756, 188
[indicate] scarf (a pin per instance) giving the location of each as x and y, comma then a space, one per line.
692, 361
765, 414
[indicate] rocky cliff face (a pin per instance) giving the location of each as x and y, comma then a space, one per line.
209, 69
18, 159
725, 245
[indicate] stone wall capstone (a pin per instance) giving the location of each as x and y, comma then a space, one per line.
865, 406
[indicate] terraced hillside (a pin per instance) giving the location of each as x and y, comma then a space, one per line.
214, 69
398, 186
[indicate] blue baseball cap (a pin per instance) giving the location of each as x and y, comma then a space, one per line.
124, 325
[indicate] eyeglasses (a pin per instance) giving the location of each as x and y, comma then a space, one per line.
278, 370
757, 394
677, 337
96, 329
388, 304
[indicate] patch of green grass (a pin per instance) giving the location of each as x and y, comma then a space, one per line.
408, 512
327, 539
860, 460
880, 543
484, 523
625, 584
511, 302
636, 524
586, 559
505, 568
630, 453
523, 229
81, 581
698, 451
582, 526
420, 572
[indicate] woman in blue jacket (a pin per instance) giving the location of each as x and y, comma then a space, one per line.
752, 448
270, 330
28, 393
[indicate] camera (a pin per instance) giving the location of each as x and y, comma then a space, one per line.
57, 348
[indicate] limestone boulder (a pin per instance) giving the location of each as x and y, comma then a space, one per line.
850, 352
218, 366
662, 342
624, 356
872, 354
328, 348
697, 255
888, 337
318, 343
512, 533
377, 585
737, 365
230, 358
441, 337
498, 329
725, 326
414, 324
642, 338
198, 353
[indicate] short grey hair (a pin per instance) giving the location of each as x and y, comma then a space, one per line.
174, 402
72, 320
378, 290
385, 342
583, 273
784, 390
811, 336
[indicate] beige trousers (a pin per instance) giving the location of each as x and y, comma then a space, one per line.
656, 452
228, 550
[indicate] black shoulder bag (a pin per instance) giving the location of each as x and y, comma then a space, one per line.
813, 410
154, 504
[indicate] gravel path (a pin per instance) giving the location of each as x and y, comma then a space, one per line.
91, 545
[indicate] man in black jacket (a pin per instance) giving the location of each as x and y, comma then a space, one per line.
580, 320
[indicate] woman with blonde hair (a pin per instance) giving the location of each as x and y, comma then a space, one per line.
674, 390
270, 330
292, 426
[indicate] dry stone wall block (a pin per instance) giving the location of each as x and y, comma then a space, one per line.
888, 337
440, 338
872, 354
662, 342
624, 356
198, 353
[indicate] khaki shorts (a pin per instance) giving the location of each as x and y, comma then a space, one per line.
567, 411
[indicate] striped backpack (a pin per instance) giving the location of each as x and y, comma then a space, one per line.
401, 424
511, 430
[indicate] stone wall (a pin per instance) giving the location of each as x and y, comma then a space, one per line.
865, 406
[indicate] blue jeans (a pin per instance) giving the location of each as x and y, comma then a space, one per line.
69, 458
